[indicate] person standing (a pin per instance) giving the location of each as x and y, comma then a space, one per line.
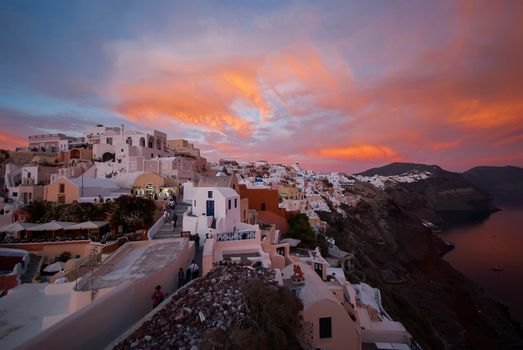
188, 275
181, 278
158, 296
195, 270
197, 242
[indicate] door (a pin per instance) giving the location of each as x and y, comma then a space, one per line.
319, 269
210, 208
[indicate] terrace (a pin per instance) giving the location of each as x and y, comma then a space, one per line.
236, 235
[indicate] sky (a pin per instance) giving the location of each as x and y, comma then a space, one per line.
335, 86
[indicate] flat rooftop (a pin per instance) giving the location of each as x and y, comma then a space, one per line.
133, 262
30, 308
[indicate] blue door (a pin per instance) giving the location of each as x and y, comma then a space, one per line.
210, 208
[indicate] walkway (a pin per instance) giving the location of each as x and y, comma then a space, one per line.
167, 231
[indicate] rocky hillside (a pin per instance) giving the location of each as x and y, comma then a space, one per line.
439, 196
400, 168
232, 307
504, 183
398, 254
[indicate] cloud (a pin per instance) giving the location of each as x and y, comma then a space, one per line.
360, 152
10, 141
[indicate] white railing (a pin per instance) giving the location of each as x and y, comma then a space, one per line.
155, 228
235, 236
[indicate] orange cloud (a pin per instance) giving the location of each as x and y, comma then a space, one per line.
8, 141
361, 152
484, 115
445, 145
214, 94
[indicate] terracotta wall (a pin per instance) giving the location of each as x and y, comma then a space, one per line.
8, 281
50, 250
258, 196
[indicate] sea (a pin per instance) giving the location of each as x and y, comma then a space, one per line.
491, 253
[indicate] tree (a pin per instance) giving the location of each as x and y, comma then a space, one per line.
132, 213
300, 228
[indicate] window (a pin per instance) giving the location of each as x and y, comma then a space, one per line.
230, 202
109, 140
236, 202
263, 206
281, 251
62, 188
325, 327
194, 203
209, 194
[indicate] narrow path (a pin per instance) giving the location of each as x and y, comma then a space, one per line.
167, 231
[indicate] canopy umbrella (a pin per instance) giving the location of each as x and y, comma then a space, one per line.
51, 226
87, 225
57, 266
15, 227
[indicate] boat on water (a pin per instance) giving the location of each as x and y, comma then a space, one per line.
497, 268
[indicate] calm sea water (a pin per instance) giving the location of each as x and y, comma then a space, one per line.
496, 242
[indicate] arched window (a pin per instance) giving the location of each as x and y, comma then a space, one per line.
159, 144
129, 141
142, 141
151, 142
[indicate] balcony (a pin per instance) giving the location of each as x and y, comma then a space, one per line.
235, 236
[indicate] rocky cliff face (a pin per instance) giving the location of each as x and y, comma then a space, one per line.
504, 183
398, 254
442, 197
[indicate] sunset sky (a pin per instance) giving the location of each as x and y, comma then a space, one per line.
333, 85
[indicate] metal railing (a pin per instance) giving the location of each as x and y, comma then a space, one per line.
235, 236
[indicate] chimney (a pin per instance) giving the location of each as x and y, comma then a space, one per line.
122, 129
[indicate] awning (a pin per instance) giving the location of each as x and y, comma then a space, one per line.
87, 225
17, 227
51, 226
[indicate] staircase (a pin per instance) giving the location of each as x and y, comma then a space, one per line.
166, 230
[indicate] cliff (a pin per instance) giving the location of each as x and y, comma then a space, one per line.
398, 254
441, 197
504, 183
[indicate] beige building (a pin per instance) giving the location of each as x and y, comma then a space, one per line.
150, 184
182, 147
290, 192
326, 325
64, 190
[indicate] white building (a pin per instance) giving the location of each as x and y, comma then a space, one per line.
94, 134
213, 209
